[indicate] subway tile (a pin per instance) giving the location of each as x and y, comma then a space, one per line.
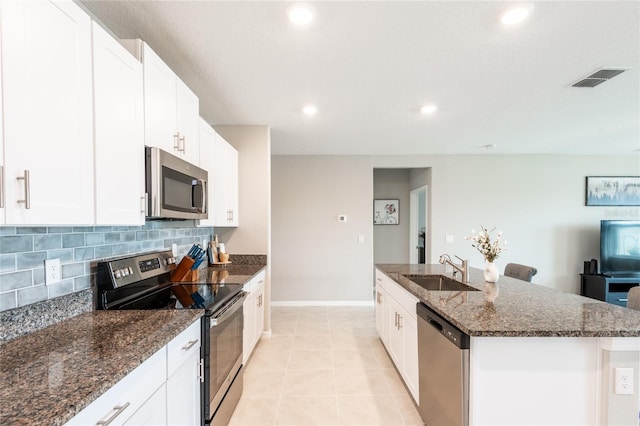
81, 283
83, 229
135, 247
159, 245
94, 239
119, 249
16, 244
154, 235
65, 255
102, 228
128, 237
47, 242
38, 276
90, 268
112, 237
31, 295
84, 253
32, 260
31, 230
142, 235
147, 245
7, 230
60, 229
15, 280
72, 240
61, 288
8, 301
122, 228
103, 251
7, 262
72, 270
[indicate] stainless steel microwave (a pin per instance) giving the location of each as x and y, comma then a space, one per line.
175, 188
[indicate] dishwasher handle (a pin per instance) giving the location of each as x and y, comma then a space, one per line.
456, 336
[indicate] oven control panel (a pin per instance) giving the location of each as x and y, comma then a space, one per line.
135, 268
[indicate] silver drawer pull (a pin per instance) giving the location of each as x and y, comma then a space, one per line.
119, 409
189, 345
27, 192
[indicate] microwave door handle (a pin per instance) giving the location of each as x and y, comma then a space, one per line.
204, 195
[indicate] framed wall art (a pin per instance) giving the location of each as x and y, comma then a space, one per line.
612, 191
386, 212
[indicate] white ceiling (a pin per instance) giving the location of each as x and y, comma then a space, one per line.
369, 66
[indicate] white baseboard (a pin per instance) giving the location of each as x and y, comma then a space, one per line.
323, 303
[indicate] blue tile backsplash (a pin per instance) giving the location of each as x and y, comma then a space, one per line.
23, 251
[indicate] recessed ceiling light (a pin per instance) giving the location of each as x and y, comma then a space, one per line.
429, 109
516, 14
300, 14
310, 110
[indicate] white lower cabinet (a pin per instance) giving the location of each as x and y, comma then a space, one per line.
146, 397
397, 326
253, 310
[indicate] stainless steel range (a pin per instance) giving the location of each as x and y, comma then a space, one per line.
143, 281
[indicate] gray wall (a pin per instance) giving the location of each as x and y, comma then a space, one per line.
391, 242
24, 250
536, 200
315, 257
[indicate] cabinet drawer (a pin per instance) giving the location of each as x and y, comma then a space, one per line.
617, 298
183, 346
120, 402
405, 299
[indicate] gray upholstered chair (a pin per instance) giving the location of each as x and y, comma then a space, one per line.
521, 272
633, 298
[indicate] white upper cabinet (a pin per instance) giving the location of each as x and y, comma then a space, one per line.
47, 102
207, 162
171, 108
3, 181
225, 184
119, 132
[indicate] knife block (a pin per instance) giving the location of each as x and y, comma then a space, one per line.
182, 270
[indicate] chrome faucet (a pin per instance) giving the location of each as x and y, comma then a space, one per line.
463, 268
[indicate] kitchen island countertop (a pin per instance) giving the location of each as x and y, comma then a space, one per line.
521, 309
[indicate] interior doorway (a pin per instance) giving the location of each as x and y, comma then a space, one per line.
418, 225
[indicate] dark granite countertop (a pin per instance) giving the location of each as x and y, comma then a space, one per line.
521, 309
50, 375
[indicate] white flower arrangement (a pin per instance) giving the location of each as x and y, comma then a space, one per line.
482, 243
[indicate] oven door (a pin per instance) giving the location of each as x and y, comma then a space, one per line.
222, 357
175, 188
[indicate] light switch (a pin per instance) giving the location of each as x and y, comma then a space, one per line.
361, 239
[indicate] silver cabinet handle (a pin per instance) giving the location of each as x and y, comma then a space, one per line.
184, 147
1, 187
201, 370
176, 141
189, 345
396, 324
399, 321
143, 200
119, 409
27, 192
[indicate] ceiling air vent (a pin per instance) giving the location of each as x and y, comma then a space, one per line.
598, 77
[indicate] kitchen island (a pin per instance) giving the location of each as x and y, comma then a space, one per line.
537, 356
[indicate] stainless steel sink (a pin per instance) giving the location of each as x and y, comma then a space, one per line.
439, 283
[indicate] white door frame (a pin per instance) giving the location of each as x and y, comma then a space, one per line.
413, 223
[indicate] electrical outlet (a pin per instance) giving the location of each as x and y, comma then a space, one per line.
52, 271
624, 381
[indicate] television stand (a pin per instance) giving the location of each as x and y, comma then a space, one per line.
607, 288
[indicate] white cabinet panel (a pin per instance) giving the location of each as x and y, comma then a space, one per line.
207, 162
183, 392
152, 411
187, 122
225, 184
48, 125
119, 132
253, 310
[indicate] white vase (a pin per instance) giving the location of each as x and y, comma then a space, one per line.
491, 274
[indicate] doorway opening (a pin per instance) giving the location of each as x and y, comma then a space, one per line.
418, 225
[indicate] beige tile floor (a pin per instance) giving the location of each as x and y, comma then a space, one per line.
323, 366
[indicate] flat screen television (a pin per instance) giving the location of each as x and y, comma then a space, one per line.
620, 247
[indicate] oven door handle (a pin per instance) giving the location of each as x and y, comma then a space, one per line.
229, 309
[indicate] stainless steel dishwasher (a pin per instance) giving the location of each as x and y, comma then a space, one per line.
443, 366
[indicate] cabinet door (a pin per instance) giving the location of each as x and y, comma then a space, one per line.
394, 345
259, 311
207, 162
187, 122
153, 412
3, 182
160, 128
119, 132
183, 393
249, 330
232, 186
48, 124
409, 328
219, 182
